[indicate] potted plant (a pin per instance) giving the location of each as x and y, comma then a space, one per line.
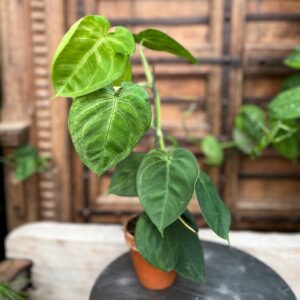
108, 117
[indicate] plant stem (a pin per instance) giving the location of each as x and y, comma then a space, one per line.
229, 144
187, 225
157, 103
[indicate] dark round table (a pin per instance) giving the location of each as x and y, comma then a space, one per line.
231, 274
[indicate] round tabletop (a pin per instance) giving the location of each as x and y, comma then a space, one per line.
231, 274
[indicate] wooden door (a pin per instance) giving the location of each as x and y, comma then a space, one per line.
240, 46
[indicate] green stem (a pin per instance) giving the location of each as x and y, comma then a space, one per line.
157, 102
229, 144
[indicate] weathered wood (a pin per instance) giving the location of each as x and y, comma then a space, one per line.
259, 36
11, 268
13, 134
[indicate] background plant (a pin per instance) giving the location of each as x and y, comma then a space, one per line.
256, 129
7, 293
108, 117
25, 161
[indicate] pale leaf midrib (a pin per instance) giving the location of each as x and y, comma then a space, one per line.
85, 57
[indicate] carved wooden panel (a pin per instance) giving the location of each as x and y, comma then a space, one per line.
240, 46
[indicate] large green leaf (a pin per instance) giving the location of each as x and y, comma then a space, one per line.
90, 57
165, 184
123, 182
126, 76
293, 59
286, 105
161, 252
212, 151
290, 82
190, 262
160, 41
214, 211
105, 125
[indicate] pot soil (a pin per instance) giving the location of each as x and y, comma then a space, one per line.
149, 276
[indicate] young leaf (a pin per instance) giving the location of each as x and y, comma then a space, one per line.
286, 139
286, 105
290, 82
161, 252
212, 150
243, 141
293, 59
165, 184
90, 57
123, 182
190, 262
126, 76
106, 125
160, 41
27, 162
289, 147
214, 211
251, 120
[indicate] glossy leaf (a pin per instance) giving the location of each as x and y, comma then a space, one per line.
286, 105
161, 252
243, 141
214, 211
165, 184
251, 120
190, 258
290, 82
123, 182
126, 76
286, 139
212, 151
90, 57
288, 148
293, 59
160, 41
106, 125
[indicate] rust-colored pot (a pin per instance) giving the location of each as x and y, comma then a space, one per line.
149, 276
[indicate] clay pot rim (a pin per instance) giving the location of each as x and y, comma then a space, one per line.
130, 239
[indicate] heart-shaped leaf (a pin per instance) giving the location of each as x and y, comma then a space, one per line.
251, 120
290, 82
286, 105
123, 182
214, 211
160, 41
161, 252
190, 262
106, 125
212, 150
126, 76
293, 59
90, 57
165, 184
243, 141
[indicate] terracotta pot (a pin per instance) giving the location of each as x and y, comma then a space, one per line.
149, 276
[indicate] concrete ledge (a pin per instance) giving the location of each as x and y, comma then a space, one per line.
69, 257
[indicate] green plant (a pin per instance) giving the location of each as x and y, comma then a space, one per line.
25, 161
108, 117
255, 129
7, 293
